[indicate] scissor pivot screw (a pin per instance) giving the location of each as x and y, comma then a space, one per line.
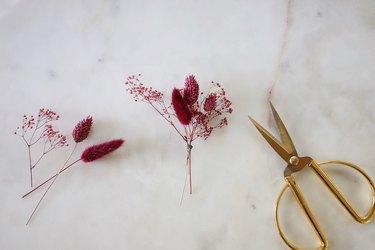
294, 160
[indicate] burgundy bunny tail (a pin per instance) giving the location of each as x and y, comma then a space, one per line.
180, 107
98, 151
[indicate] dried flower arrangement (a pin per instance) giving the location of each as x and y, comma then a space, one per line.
198, 114
41, 130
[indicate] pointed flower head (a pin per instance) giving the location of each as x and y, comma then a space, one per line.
82, 129
210, 102
191, 90
180, 107
98, 151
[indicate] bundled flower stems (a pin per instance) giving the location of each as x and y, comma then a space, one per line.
197, 113
42, 131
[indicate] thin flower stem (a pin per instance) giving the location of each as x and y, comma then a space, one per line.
40, 137
40, 158
36, 141
188, 171
191, 180
23, 137
50, 185
44, 123
186, 175
50, 149
30, 167
187, 134
71, 164
36, 128
170, 122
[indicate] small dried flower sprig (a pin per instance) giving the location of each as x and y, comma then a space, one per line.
80, 132
54, 140
198, 114
88, 155
40, 129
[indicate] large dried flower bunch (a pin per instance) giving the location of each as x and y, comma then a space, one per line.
199, 114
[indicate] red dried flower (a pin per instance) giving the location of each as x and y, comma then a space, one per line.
140, 92
180, 107
210, 102
48, 115
191, 90
98, 151
82, 129
53, 138
36, 129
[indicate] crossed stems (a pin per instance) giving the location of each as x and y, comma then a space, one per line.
52, 177
53, 181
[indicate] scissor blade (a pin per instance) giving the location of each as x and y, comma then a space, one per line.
275, 144
285, 137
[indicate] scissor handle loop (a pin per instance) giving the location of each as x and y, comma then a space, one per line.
290, 183
327, 181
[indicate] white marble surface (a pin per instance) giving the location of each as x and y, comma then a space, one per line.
73, 57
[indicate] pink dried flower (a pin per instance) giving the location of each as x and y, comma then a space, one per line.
36, 129
98, 151
54, 138
210, 102
47, 115
28, 122
180, 107
191, 90
140, 92
82, 129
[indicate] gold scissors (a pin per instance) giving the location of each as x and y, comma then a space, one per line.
295, 163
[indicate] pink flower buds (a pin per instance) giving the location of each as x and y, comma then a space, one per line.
210, 102
191, 90
180, 107
98, 151
82, 129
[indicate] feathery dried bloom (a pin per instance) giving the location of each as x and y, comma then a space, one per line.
210, 102
180, 107
191, 90
82, 129
98, 151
